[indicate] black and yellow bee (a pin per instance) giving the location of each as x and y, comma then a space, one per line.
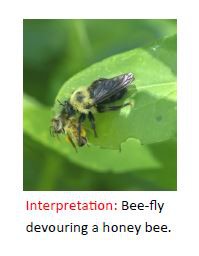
86, 101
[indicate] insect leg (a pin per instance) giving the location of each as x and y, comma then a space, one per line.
82, 118
51, 131
102, 108
92, 121
112, 108
71, 141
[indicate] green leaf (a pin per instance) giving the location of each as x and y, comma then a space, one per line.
153, 117
132, 157
44, 169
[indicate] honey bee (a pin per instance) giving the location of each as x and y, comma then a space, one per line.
61, 125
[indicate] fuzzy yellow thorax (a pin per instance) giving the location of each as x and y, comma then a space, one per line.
80, 100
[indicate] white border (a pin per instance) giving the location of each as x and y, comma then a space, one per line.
183, 206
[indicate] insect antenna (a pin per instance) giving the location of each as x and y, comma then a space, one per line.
62, 104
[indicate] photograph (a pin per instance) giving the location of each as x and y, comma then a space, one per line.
99, 105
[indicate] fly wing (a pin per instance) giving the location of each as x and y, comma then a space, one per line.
103, 88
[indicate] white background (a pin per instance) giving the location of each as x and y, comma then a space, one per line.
182, 206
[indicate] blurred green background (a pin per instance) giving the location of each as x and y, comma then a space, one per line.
55, 50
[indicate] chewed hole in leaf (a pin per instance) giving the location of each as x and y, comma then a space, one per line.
155, 82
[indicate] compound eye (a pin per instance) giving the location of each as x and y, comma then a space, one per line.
69, 110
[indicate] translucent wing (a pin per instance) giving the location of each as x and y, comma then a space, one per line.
103, 88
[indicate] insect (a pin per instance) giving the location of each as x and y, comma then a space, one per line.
86, 101
73, 135
68, 126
